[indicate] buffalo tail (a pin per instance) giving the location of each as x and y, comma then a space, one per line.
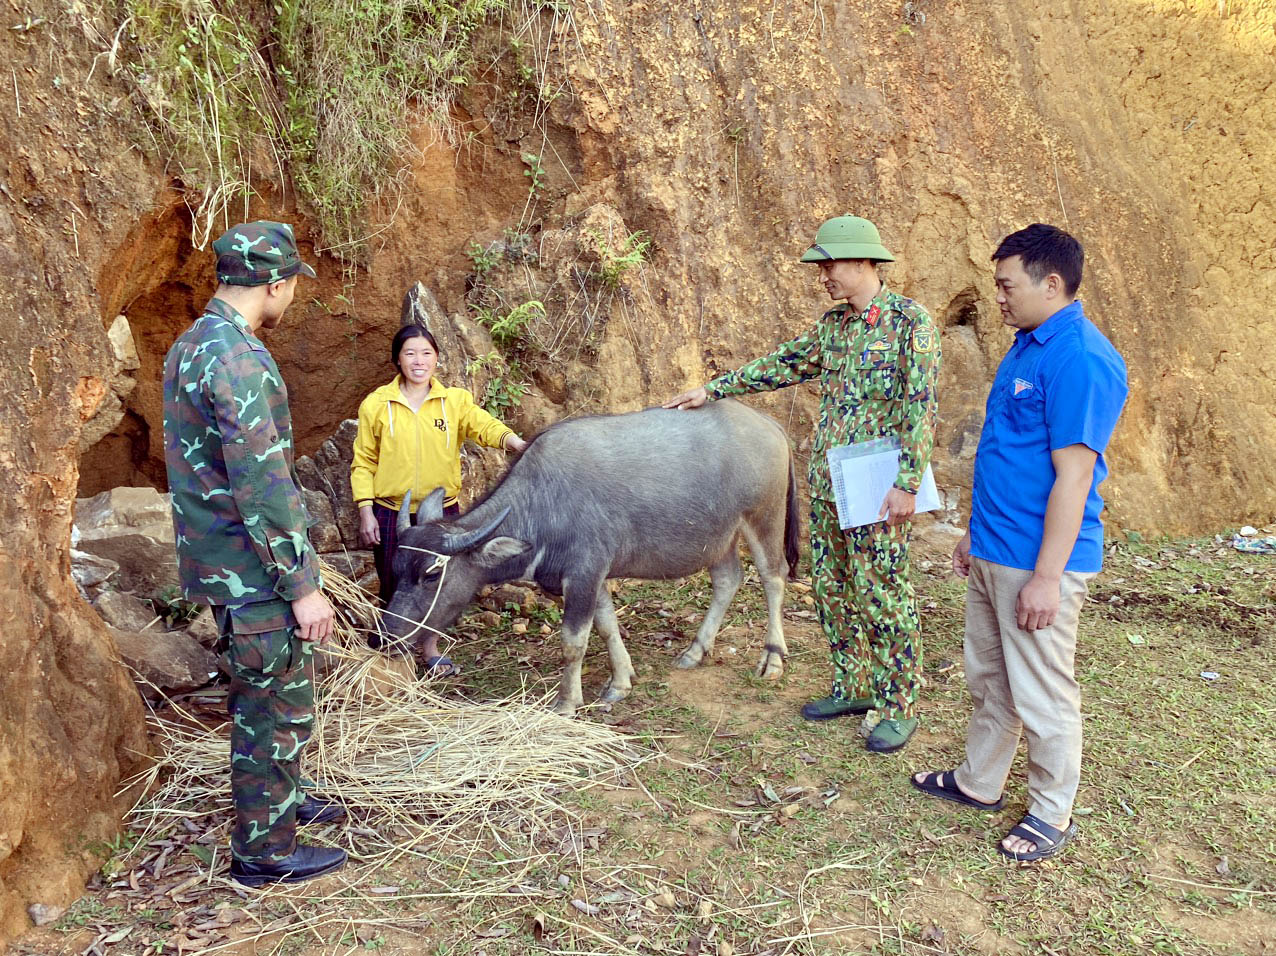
792, 526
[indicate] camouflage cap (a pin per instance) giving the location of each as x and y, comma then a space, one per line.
255, 253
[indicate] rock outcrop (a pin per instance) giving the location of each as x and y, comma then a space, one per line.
165, 662
124, 611
124, 363
91, 573
328, 473
133, 528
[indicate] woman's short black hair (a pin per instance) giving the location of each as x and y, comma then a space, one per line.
409, 332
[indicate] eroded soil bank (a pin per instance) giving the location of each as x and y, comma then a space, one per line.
725, 135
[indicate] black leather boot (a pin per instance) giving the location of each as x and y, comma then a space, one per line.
313, 810
304, 863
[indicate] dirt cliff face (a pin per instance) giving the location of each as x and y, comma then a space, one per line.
70, 720
730, 132
726, 133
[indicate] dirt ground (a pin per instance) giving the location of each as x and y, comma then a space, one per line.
756, 830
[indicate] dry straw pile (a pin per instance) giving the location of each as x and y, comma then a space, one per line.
430, 780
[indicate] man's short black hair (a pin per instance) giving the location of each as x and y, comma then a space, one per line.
1043, 250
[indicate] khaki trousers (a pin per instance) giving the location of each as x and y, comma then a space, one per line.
1022, 682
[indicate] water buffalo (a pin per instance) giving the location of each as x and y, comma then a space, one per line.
651, 494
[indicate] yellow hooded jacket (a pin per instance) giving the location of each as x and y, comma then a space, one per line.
397, 449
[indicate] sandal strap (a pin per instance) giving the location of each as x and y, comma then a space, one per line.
946, 780
947, 775
936, 779
1035, 830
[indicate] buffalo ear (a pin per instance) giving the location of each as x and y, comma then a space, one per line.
499, 550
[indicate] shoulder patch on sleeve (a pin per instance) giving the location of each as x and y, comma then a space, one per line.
923, 340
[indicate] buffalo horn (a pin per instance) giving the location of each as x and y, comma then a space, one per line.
456, 543
431, 507
405, 513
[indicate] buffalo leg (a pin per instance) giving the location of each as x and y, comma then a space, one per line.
772, 569
578, 615
622, 668
726, 576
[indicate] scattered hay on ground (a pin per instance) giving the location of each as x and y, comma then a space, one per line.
443, 788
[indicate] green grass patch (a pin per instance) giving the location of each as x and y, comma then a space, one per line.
1177, 806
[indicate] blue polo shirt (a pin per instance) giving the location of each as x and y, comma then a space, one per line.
1060, 384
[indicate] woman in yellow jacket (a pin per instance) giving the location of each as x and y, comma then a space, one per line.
409, 438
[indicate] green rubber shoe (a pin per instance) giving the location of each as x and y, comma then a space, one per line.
891, 735
826, 708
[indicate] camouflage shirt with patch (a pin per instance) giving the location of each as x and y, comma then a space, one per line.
240, 522
878, 371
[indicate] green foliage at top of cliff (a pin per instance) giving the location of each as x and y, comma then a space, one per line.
313, 93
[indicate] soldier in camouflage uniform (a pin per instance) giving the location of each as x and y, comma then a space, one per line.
877, 360
243, 545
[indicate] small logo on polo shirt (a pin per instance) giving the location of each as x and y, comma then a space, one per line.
1022, 386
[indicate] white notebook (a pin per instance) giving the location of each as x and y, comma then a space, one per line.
862, 474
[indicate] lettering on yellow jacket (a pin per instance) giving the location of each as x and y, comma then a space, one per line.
397, 449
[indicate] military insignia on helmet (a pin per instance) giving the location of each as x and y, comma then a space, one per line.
923, 340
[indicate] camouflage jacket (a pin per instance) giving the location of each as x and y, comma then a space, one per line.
878, 371
237, 509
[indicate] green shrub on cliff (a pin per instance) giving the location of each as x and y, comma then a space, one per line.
316, 93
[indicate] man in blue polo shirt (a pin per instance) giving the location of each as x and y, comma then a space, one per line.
1035, 540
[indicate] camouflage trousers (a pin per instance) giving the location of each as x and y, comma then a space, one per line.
868, 610
271, 705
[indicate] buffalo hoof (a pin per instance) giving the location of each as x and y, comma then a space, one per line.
565, 708
612, 695
770, 667
687, 660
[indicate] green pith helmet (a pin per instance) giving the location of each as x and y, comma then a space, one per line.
847, 237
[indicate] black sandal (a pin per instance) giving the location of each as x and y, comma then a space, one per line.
1049, 840
439, 666
934, 785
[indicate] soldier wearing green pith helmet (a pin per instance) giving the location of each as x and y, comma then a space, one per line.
876, 356
243, 548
